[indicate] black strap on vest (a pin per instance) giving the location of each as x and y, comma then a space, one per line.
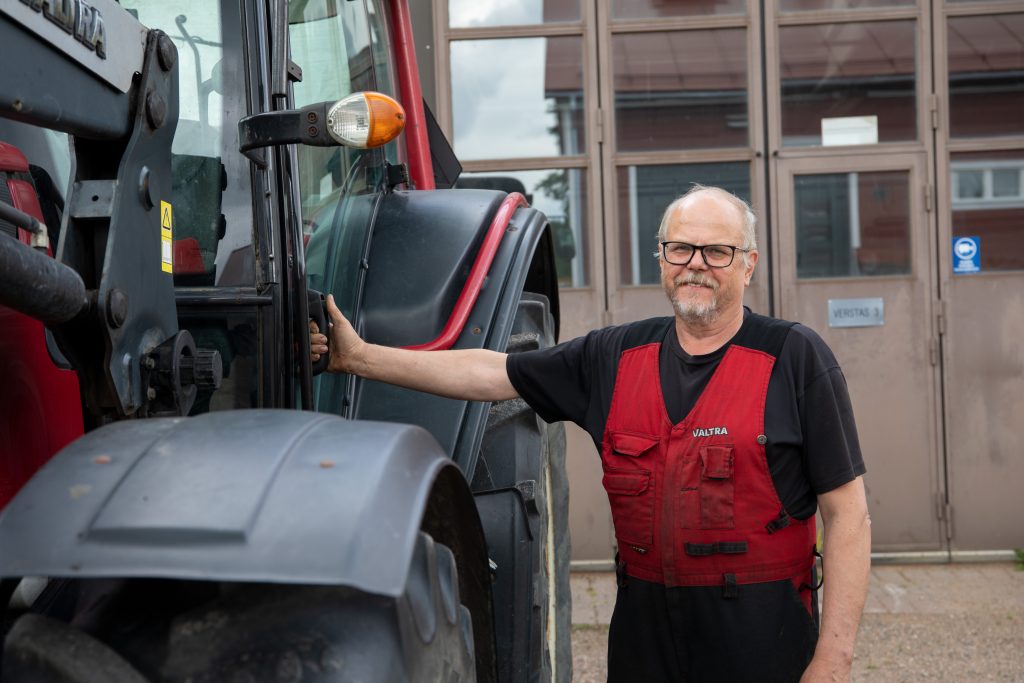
779, 523
763, 333
757, 332
726, 548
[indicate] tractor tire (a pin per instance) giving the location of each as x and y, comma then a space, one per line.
39, 649
519, 449
301, 634
329, 635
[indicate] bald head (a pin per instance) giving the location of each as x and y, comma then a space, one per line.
745, 218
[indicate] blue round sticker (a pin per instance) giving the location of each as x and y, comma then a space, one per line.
965, 248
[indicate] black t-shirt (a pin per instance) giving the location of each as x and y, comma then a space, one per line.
812, 438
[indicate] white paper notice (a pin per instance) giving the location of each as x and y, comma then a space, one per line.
849, 130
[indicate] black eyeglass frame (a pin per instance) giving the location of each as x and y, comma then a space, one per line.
700, 248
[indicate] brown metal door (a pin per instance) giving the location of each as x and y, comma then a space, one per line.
980, 179
854, 262
984, 358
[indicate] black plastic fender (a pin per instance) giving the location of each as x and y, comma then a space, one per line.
256, 495
424, 245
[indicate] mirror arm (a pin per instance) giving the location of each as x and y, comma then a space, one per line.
307, 126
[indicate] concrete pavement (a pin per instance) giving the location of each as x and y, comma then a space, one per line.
922, 622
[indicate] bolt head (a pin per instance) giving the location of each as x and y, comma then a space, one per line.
156, 109
117, 308
166, 53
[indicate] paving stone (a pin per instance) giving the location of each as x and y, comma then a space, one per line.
938, 623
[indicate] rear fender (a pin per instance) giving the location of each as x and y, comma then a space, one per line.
423, 248
255, 496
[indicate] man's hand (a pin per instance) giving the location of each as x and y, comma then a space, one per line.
821, 671
847, 566
346, 348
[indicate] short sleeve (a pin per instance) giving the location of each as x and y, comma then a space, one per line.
555, 381
810, 423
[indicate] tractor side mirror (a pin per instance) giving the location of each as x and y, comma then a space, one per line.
363, 120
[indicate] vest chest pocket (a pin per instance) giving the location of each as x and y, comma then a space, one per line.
631, 495
630, 445
716, 488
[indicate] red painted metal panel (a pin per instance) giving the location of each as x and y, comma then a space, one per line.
40, 407
40, 404
11, 159
421, 168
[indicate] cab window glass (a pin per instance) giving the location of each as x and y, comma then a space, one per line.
338, 45
211, 190
211, 193
330, 40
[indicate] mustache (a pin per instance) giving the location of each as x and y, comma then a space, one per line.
696, 279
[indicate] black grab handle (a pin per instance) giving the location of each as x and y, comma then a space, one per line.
317, 305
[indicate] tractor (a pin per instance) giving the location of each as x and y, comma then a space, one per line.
185, 496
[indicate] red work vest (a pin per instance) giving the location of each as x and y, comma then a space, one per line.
693, 503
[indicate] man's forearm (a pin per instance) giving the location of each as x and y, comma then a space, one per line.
468, 374
847, 566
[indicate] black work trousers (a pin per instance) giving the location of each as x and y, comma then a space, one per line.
695, 634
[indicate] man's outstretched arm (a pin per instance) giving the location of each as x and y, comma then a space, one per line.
468, 374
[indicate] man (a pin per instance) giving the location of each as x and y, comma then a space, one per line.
720, 433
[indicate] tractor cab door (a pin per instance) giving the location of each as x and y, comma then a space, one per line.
342, 47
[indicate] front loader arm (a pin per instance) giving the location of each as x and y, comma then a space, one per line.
101, 76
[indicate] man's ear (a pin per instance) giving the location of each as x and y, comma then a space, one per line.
752, 263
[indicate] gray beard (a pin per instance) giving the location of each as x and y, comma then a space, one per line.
696, 314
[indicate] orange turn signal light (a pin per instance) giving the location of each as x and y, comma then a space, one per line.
365, 120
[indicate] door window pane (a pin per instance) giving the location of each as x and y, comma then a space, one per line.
645, 192
845, 70
518, 97
1006, 182
651, 9
332, 43
852, 224
988, 203
799, 5
970, 184
470, 13
233, 336
680, 90
986, 75
562, 195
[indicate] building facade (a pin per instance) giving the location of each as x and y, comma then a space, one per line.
881, 143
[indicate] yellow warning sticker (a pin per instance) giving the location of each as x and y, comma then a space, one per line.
166, 237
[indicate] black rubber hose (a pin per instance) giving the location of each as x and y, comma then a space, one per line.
38, 286
19, 218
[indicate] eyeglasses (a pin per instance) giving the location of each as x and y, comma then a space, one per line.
714, 255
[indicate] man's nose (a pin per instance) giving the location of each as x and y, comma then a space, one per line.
697, 261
